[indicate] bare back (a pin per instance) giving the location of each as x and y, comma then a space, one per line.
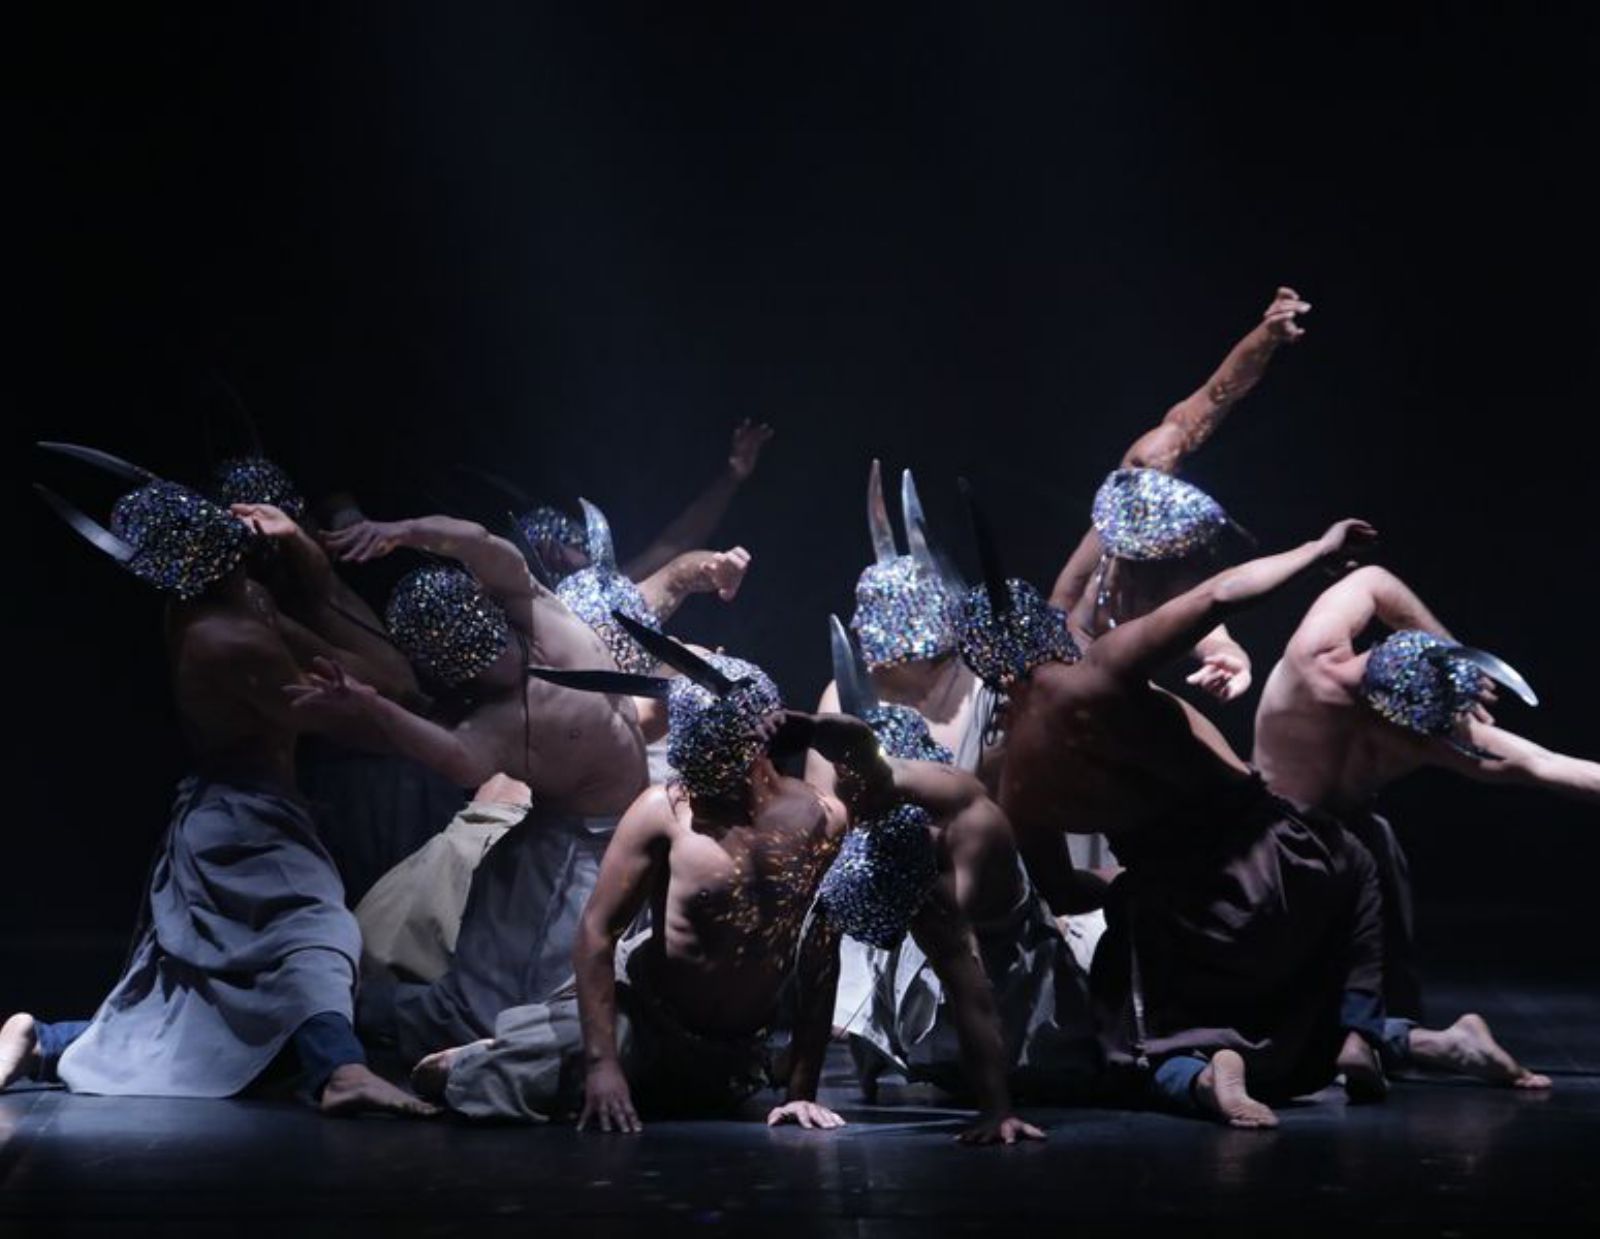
735, 900
1090, 752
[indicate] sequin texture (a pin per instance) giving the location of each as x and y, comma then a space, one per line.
183, 543
1149, 515
445, 624
904, 734
1411, 680
547, 526
904, 613
711, 740
881, 876
255, 479
1003, 649
592, 594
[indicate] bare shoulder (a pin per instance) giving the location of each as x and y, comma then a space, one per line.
821, 810
213, 635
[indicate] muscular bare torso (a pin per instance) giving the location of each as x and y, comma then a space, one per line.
1317, 745
734, 901
1087, 752
229, 735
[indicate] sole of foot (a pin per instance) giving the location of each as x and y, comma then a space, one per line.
1468, 1048
19, 1048
353, 1089
1364, 1081
1221, 1090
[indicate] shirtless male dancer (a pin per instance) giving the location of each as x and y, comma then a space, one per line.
1236, 928
473, 631
1337, 725
245, 947
729, 859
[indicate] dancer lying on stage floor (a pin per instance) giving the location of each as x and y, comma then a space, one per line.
1239, 928
473, 631
730, 862
1336, 726
245, 947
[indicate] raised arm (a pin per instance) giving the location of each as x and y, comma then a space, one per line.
634, 862
1140, 647
695, 572
694, 525
496, 563
1193, 420
1344, 609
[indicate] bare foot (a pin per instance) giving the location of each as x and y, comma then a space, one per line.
354, 1089
19, 1048
1363, 1074
1468, 1048
432, 1073
1220, 1090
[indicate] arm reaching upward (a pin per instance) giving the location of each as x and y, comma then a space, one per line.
695, 572
694, 525
1140, 647
632, 865
1193, 420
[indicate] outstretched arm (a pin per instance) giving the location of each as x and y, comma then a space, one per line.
327, 696
695, 572
1517, 762
1344, 609
1140, 647
634, 862
694, 525
496, 563
1193, 420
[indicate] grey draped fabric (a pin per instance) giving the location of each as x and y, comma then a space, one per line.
533, 1068
516, 937
244, 935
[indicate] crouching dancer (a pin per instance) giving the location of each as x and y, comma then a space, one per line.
245, 946
1239, 930
729, 859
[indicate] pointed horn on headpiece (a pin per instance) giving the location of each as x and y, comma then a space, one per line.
883, 547
611, 683
679, 657
916, 524
87, 528
994, 579
1497, 669
105, 461
597, 537
850, 675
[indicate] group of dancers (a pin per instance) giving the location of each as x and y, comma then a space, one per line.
996, 858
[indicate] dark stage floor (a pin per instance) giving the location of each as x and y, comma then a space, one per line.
1438, 1159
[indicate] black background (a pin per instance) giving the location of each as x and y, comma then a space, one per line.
578, 242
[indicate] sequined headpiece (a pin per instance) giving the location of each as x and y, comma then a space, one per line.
712, 711
1428, 685
595, 592
900, 729
163, 533
905, 606
545, 525
1007, 628
445, 624
255, 479
1145, 514
886, 866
